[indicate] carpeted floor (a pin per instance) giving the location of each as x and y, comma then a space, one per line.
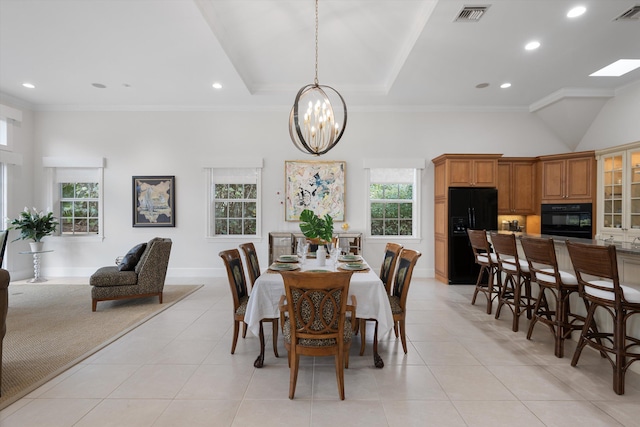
51, 328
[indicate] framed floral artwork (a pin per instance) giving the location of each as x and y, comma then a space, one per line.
154, 201
315, 185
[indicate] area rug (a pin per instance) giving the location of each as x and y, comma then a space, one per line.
50, 328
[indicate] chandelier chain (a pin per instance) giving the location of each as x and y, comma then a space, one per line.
315, 81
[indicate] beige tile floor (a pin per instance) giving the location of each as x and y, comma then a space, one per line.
463, 368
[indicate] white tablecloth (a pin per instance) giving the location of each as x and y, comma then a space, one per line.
371, 297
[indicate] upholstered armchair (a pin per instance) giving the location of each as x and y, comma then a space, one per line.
144, 280
4, 305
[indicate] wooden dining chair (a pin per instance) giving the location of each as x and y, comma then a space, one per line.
488, 262
596, 269
240, 293
515, 289
391, 252
253, 268
553, 305
398, 299
314, 321
388, 267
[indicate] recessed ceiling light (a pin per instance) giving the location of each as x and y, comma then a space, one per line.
532, 45
29, 85
217, 85
576, 11
98, 85
618, 68
482, 85
505, 85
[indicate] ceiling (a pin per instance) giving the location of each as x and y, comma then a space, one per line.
379, 54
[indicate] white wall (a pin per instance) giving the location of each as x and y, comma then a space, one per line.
618, 123
182, 143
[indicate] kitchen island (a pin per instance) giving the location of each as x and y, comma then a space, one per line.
628, 255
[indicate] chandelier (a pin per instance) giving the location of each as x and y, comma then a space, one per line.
317, 130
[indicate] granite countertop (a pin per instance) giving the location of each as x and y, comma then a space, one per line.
622, 247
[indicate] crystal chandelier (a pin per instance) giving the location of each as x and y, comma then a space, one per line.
317, 130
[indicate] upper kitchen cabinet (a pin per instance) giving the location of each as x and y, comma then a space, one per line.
470, 170
619, 190
516, 186
568, 178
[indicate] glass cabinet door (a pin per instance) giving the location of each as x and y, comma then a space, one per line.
634, 183
612, 180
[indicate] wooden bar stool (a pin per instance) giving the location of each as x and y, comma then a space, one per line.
556, 286
517, 277
488, 262
592, 264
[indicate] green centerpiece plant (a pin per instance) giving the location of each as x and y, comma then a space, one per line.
315, 228
34, 225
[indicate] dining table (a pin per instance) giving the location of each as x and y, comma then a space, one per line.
371, 295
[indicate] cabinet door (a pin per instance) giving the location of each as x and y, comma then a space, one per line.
504, 188
634, 189
553, 180
612, 182
579, 176
523, 188
485, 173
460, 173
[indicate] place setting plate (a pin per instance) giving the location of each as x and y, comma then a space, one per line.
276, 266
350, 258
354, 266
288, 258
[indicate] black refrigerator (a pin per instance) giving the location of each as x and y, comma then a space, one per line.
475, 208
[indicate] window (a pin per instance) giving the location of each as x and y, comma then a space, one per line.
79, 207
393, 202
234, 202
76, 195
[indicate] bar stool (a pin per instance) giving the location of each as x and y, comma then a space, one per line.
488, 262
619, 301
517, 277
555, 286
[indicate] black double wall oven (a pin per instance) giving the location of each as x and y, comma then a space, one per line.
569, 220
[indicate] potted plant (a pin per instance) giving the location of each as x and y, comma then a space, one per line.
319, 230
34, 225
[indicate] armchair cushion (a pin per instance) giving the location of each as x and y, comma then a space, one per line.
132, 257
112, 276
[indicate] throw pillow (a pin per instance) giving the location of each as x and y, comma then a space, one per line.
132, 257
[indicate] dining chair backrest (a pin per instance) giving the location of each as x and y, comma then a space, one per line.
543, 264
317, 304
406, 262
251, 258
235, 274
4, 235
391, 253
592, 263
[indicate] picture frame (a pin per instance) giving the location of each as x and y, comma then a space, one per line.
315, 185
154, 201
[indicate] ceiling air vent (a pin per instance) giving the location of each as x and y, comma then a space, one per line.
471, 13
631, 14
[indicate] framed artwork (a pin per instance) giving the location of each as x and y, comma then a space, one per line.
315, 185
154, 201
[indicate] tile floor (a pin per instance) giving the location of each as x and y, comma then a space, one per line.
463, 368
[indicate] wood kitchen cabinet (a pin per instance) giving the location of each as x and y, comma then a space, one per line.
568, 178
516, 186
470, 170
456, 170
